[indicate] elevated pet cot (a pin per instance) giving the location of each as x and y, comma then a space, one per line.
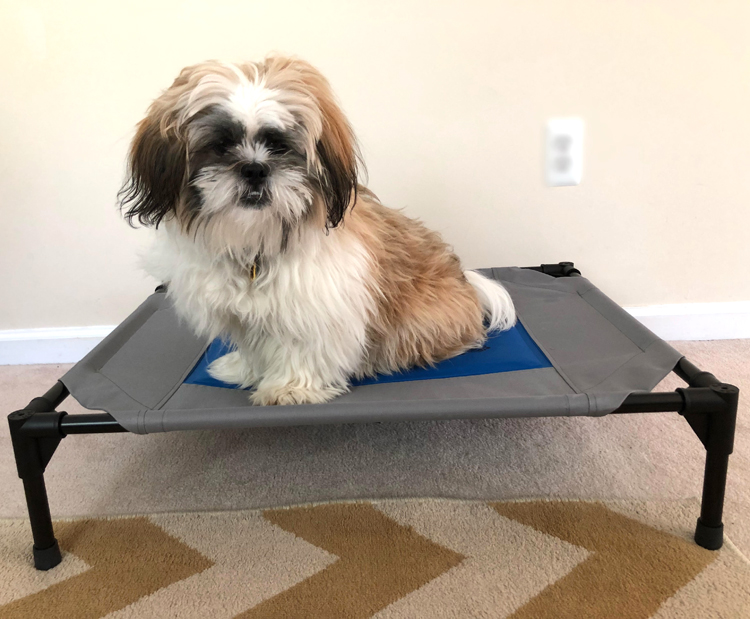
574, 353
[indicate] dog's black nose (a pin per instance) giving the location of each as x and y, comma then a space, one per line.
254, 172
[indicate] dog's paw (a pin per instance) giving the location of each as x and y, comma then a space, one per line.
293, 394
231, 369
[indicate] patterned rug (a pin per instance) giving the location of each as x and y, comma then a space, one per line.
398, 558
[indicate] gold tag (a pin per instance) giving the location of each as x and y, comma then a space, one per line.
254, 270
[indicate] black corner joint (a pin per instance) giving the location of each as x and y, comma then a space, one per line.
568, 269
35, 434
561, 269
712, 413
35, 437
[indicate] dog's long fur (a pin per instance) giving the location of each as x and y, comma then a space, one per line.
267, 239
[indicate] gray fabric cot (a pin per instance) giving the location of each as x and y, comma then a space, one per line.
602, 361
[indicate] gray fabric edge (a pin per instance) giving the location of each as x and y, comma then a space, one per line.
655, 362
626, 324
89, 387
368, 412
526, 383
649, 368
560, 372
642, 368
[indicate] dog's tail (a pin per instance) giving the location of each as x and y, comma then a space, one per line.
495, 300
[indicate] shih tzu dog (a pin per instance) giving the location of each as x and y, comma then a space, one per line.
249, 172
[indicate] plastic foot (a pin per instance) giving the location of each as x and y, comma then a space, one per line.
47, 558
711, 538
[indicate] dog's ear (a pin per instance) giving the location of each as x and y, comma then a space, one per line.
336, 149
157, 167
157, 162
337, 154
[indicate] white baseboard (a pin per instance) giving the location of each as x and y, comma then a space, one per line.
57, 345
697, 321
689, 321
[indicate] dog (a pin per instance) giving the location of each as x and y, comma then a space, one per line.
249, 172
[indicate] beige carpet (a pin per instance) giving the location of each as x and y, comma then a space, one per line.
388, 559
637, 459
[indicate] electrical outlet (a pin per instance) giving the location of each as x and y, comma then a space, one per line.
564, 151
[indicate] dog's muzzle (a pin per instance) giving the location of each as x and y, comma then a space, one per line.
255, 175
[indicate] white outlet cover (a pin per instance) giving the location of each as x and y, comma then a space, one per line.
564, 151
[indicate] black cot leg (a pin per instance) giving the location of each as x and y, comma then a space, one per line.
35, 433
711, 410
709, 531
46, 550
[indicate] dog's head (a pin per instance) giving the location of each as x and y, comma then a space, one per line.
246, 152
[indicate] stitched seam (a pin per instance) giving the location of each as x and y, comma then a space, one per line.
144, 320
596, 309
619, 367
554, 363
509, 281
184, 375
121, 389
576, 279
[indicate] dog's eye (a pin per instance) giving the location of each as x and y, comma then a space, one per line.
221, 148
274, 141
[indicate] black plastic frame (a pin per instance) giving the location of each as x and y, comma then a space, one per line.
708, 405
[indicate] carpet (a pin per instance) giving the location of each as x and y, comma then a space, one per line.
647, 467
388, 559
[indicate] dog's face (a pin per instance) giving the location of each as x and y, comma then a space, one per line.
243, 154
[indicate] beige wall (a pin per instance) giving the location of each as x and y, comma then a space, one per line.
449, 100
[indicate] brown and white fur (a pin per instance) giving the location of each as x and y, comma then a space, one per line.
267, 239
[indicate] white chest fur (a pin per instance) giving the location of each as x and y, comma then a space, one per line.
302, 321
